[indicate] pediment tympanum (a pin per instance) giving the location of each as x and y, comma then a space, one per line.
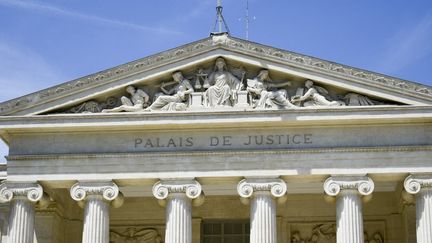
221, 73
224, 86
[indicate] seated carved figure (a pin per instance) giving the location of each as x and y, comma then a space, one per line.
315, 96
137, 102
224, 86
266, 93
175, 98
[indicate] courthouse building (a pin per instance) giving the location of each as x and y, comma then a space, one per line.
220, 141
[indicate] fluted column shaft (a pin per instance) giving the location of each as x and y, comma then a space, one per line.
424, 215
23, 197
261, 194
96, 197
178, 197
178, 219
21, 221
96, 221
349, 215
263, 218
421, 187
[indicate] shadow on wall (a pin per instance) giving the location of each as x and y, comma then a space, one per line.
4, 150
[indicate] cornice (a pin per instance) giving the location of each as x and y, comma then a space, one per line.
204, 45
218, 153
338, 115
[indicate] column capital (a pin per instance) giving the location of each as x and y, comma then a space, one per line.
335, 184
276, 187
107, 190
413, 184
190, 188
21, 190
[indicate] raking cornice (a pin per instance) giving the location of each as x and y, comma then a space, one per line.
224, 42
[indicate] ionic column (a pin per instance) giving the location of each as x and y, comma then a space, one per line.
178, 196
262, 194
349, 215
23, 197
421, 187
96, 197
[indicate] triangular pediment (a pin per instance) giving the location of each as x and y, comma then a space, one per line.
336, 84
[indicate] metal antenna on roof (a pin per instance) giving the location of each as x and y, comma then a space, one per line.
247, 20
220, 20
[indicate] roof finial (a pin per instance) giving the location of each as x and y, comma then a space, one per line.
220, 20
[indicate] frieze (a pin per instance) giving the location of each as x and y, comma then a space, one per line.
74, 156
203, 45
135, 234
326, 233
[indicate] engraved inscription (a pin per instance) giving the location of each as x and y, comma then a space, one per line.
225, 141
172, 142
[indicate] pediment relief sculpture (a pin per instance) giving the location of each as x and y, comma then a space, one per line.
224, 86
59, 98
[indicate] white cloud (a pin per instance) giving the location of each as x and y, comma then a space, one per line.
23, 71
49, 9
409, 45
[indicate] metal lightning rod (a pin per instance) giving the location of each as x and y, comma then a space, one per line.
219, 14
220, 19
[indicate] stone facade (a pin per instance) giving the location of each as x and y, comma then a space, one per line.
221, 140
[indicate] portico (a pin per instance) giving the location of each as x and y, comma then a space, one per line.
322, 154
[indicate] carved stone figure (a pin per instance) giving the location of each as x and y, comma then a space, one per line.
175, 98
92, 106
137, 102
134, 235
266, 92
354, 99
224, 86
315, 96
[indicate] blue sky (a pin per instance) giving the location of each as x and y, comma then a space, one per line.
47, 42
